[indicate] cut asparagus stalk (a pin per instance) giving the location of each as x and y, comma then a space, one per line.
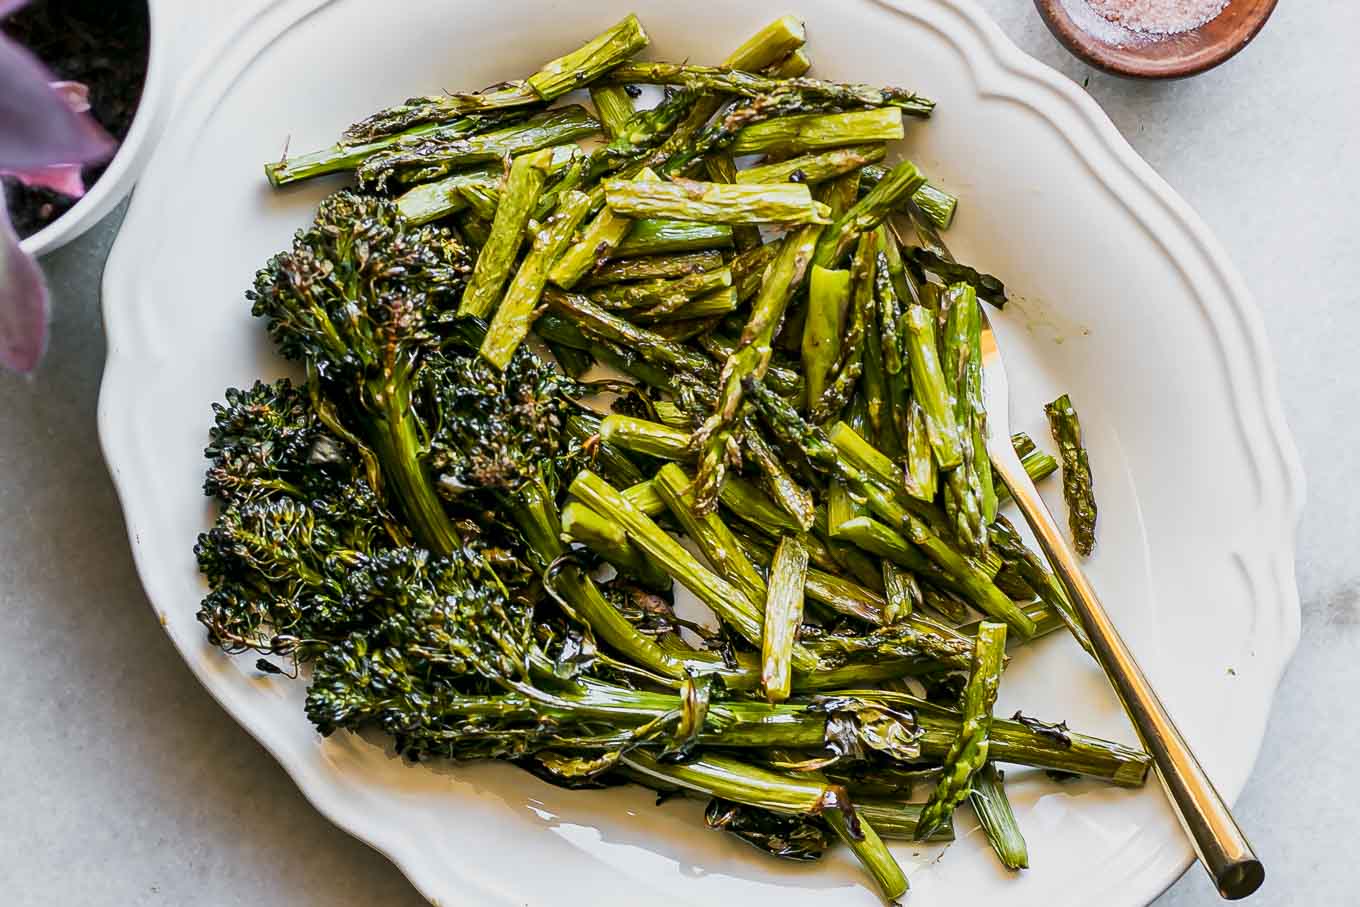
968, 754
729, 81
708, 531
715, 203
828, 298
641, 436
613, 107
598, 240
528, 173
998, 822
867, 213
662, 296
343, 157
814, 132
936, 204
722, 168
1076, 469
568, 73
791, 67
653, 236
431, 201
655, 268
433, 158
783, 617
515, 315
932, 393
609, 541
815, 168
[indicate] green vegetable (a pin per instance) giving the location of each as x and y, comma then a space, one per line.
783, 617
719, 203
1076, 469
527, 175
968, 754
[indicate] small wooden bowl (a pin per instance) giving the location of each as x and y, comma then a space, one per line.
1121, 52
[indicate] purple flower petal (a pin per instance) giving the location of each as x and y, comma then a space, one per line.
75, 94
9, 7
23, 304
37, 128
63, 178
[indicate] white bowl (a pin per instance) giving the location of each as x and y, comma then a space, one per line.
1120, 295
130, 159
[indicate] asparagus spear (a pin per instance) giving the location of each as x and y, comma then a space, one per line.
665, 237
726, 80
598, 239
932, 393
342, 157
867, 213
772, 44
556, 78
964, 491
791, 67
783, 617
901, 593
648, 438
706, 307
722, 168
654, 268
968, 754
936, 204
814, 132
431, 201
662, 296
726, 600
1044, 583
613, 106
513, 317
655, 349
994, 813
1076, 469
709, 533
690, 200
815, 168
433, 157
581, 524
792, 498
828, 296
752, 356
528, 173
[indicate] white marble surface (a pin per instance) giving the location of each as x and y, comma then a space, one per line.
122, 783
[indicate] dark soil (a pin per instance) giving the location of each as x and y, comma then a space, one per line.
102, 43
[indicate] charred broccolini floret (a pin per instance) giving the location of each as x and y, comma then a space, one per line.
358, 300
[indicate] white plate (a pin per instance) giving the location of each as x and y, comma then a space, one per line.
1121, 297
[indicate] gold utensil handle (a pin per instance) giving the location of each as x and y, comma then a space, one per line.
1218, 841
